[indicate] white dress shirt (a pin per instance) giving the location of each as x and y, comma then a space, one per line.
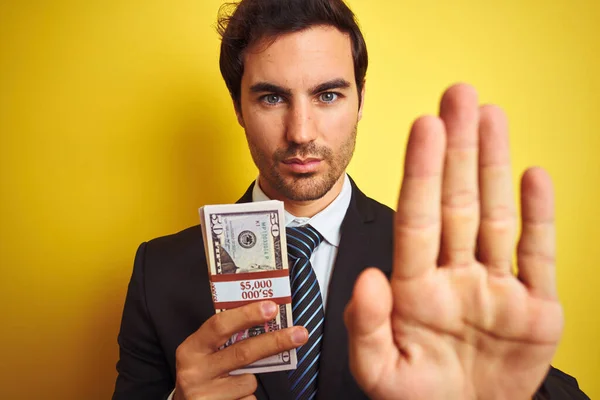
328, 223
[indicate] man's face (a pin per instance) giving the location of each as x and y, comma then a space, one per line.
299, 108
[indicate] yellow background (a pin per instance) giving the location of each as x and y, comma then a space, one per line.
115, 126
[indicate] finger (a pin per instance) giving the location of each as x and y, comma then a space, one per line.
247, 351
368, 320
251, 397
220, 327
417, 220
497, 227
536, 252
459, 109
228, 388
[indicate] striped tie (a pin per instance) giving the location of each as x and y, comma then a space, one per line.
307, 309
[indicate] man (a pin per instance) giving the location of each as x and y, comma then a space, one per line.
440, 316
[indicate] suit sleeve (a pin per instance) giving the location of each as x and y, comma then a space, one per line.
142, 369
560, 386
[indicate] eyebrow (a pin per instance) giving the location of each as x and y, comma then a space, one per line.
262, 87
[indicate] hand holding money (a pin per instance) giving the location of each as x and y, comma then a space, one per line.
203, 370
247, 259
246, 254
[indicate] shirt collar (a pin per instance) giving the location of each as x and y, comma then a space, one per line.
327, 222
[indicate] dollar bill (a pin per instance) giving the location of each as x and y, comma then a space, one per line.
246, 253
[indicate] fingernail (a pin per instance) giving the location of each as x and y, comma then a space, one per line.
299, 336
268, 308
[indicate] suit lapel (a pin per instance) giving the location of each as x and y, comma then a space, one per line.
247, 197
351, 260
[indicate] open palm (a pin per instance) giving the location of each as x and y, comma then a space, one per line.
456, 322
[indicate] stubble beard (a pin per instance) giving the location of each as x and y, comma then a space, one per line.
306, 186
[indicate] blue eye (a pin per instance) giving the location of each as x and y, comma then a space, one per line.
272, 99
328, 97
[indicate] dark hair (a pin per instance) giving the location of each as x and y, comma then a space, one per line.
249, 21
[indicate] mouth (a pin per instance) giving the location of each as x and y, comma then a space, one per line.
301, 161
302, 165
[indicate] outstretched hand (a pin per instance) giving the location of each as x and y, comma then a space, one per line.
455, 322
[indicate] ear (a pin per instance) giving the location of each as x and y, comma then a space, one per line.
362, 100
238, 113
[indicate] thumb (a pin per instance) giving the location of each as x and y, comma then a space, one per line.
368, 320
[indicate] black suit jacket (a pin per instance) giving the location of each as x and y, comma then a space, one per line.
169, 298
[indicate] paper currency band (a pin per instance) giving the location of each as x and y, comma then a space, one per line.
226, 305
277, 273
255, 287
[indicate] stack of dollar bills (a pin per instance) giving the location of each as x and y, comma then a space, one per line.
246, 253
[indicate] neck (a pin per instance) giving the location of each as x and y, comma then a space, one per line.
307, 208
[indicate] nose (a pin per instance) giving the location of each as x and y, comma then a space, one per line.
301, 127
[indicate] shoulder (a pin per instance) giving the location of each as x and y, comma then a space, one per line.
173, 256
370, 216
173, 267
559, 385
177, 242
369, 208
381, 209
